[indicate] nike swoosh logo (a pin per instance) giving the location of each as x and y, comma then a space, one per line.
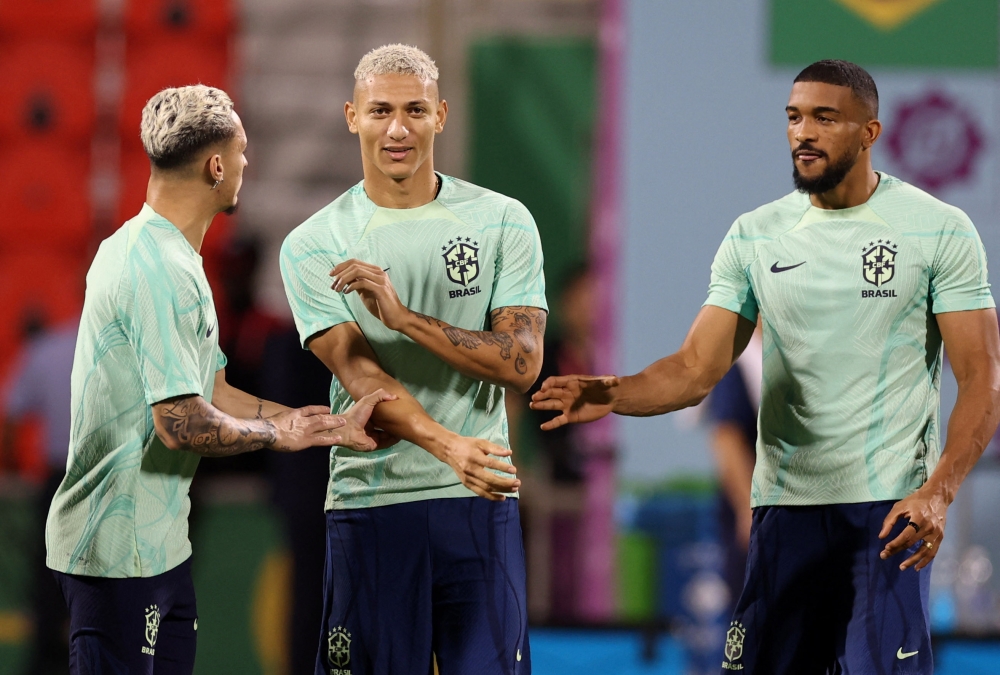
776, 269
209, 333
900, 655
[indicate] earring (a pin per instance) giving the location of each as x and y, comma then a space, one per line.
217, 183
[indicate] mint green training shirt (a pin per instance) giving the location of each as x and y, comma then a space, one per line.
852, 352
148, 333
457, 258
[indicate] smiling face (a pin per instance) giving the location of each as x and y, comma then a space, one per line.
828, 130
396, 117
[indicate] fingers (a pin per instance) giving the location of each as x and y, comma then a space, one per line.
557, 382
347, 276
324, 440
552, 400
353, 262
483, 490
890, 520
327, 422
555, 423
311, 410
376, 397
922, 558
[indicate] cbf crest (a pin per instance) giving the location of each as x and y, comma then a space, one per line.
734, 645
338, 650
461, 259
152, 628
878, 262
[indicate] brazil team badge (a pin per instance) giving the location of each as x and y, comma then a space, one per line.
152, 629
878, 263
461, 259
734, 646
338, 650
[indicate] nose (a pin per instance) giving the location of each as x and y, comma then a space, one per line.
398, 130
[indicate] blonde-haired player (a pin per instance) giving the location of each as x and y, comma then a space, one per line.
437, 296
150, 398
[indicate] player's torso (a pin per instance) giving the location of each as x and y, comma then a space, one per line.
122, 510
850, 358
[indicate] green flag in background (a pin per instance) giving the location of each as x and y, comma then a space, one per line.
923, 33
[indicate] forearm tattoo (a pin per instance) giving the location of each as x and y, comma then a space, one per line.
472, 339
522, 327
198, 427
260, 409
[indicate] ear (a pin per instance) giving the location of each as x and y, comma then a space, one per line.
873, 129
442, 116
351, 115
215, 168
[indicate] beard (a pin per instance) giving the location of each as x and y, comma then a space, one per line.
830, 178
232, 209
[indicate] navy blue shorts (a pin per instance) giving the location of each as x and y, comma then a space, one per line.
137, 626
441, 576
818, 599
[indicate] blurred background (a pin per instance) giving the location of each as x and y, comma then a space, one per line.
635, 131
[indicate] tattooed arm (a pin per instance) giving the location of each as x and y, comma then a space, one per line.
237, 403
192, 424
510, 354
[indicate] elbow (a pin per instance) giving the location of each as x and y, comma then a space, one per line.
170, 441
523, 382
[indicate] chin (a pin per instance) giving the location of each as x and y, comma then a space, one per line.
399, 171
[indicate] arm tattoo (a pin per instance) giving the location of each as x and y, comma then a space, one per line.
472, 339
520, 365
199, 428
260, 409
431, 321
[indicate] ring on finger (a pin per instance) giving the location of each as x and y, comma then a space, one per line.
928, 545
913, 525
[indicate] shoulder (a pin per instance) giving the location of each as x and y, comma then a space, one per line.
774, 218
158, 250
462, 198
907, 207
334, 227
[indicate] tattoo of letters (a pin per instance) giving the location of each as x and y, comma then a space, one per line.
206, 431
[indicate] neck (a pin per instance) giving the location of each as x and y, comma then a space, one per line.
406, 193
856, 188
188, 205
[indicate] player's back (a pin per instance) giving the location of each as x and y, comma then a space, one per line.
122, 509
449, 259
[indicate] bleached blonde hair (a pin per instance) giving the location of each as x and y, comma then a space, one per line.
179, 122
396, 59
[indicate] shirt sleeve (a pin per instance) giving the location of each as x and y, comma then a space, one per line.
305, 271
730, 285
220, 360
163, 318
959, 280
520, 278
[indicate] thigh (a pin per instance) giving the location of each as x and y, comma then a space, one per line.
177, 633
377, 604
480, 612
797, 595
889, 630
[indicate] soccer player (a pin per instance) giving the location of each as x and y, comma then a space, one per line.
149, 399
430, 288
859, 277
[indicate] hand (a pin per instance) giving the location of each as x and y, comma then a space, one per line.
361, 434
373, 286
307, 427
926, 509
470, 459
580, 398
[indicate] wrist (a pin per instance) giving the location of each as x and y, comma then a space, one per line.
405, 324
274, 432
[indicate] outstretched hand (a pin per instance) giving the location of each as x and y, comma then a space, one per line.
926, 513
578, 398
302, 428
375, 289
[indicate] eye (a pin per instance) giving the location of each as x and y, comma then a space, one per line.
417, 111
380, 111
824, 119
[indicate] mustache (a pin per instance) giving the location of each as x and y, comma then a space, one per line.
807, 147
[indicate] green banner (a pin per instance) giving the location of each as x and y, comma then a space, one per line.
918, 33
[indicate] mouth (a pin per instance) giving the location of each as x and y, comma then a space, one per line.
808, 155
397, 152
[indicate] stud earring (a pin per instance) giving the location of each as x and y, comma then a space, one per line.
217, 183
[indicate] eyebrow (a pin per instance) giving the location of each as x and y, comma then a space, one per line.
817, 110
386, 104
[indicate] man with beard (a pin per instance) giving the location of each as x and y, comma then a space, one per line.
150, 398
859, 278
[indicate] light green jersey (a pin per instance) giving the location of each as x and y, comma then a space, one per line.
852, 352
148, 333
458, 258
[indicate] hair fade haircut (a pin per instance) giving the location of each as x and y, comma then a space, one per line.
396, 59
180, 122
844, 74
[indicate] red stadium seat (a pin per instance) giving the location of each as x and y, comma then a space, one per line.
47, 89
44, 198
48, 18
168, 63
176, 18
38, 285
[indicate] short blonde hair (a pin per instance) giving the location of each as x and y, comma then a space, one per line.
396, 59
179, 122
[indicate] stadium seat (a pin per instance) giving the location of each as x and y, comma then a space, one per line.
153, 66
48, 18
39, 285
155, 19
47, 89
44, 198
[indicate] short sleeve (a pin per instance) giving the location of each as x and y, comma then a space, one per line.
959, 280
162, 315
305, 271
520, 279
730, 285
220, 359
